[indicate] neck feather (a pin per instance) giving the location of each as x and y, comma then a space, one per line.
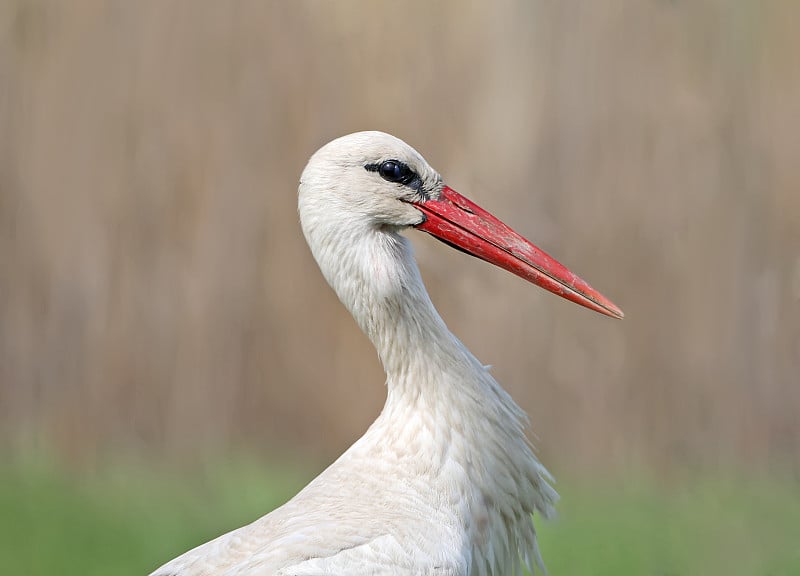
433, 378
375, 276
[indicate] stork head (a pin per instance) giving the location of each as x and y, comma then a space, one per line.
371, 181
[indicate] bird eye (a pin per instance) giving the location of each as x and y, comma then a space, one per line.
397, 172
393, 171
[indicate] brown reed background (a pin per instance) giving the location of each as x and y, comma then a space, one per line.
157, 297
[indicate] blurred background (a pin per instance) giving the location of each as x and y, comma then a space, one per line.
173, 365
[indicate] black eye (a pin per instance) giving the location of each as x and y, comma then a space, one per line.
393, 171
397, 172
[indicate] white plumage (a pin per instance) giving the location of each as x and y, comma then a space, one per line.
445, 480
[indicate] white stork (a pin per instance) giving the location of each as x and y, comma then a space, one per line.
444, 482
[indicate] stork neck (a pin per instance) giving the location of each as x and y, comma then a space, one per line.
379, 282
446, 419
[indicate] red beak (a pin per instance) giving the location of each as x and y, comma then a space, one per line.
461, 223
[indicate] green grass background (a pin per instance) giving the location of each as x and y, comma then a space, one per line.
127, 519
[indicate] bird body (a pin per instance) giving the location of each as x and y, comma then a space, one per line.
445, 480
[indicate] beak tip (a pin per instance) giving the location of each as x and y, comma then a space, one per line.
612, 310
